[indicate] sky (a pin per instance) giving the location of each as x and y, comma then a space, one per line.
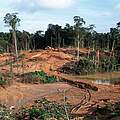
37, 14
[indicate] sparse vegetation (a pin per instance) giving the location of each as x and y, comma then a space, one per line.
5, 114
106, 113
38, 77
41, 110
85, 66
3, 82
88, 66
107, 64
45, 109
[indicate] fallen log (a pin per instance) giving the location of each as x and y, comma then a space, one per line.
81, 85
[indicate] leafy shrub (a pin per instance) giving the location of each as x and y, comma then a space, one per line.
6, 114
3, 82
23, 55
107, 64
62, 80
44, 109
85, 66
91, 55
109, 111
1, 51
38, 77
1, 77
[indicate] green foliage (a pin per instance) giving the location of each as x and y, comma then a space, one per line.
11, 67
44, 109
38, 77
62, 79
3, 82
107, 64
109, 111
85, 66
114, 110
92, 54
11, 20
23, 55
89, 65
1, 77
6, 114
1, 51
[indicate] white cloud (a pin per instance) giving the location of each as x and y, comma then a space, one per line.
55, 3
35, 5
93, 13
100, 17
117, 6
36, 22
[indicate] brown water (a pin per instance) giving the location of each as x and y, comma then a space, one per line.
102, 78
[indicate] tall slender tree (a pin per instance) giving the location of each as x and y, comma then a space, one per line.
90, 36
79, 29
11, 20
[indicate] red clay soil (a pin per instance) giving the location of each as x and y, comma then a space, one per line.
50, 61
19, 94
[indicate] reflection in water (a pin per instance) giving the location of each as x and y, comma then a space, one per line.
102, 78
106, 82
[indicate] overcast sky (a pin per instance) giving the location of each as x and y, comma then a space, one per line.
37, 14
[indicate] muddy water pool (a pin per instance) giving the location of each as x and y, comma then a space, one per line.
101, 78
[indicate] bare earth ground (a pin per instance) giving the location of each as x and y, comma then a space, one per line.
19, 94
50, 61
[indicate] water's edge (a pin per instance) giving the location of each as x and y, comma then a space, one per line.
111, 78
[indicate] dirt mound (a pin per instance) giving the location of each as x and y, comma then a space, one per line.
73, 51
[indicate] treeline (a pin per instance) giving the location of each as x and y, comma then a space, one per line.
55, 36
